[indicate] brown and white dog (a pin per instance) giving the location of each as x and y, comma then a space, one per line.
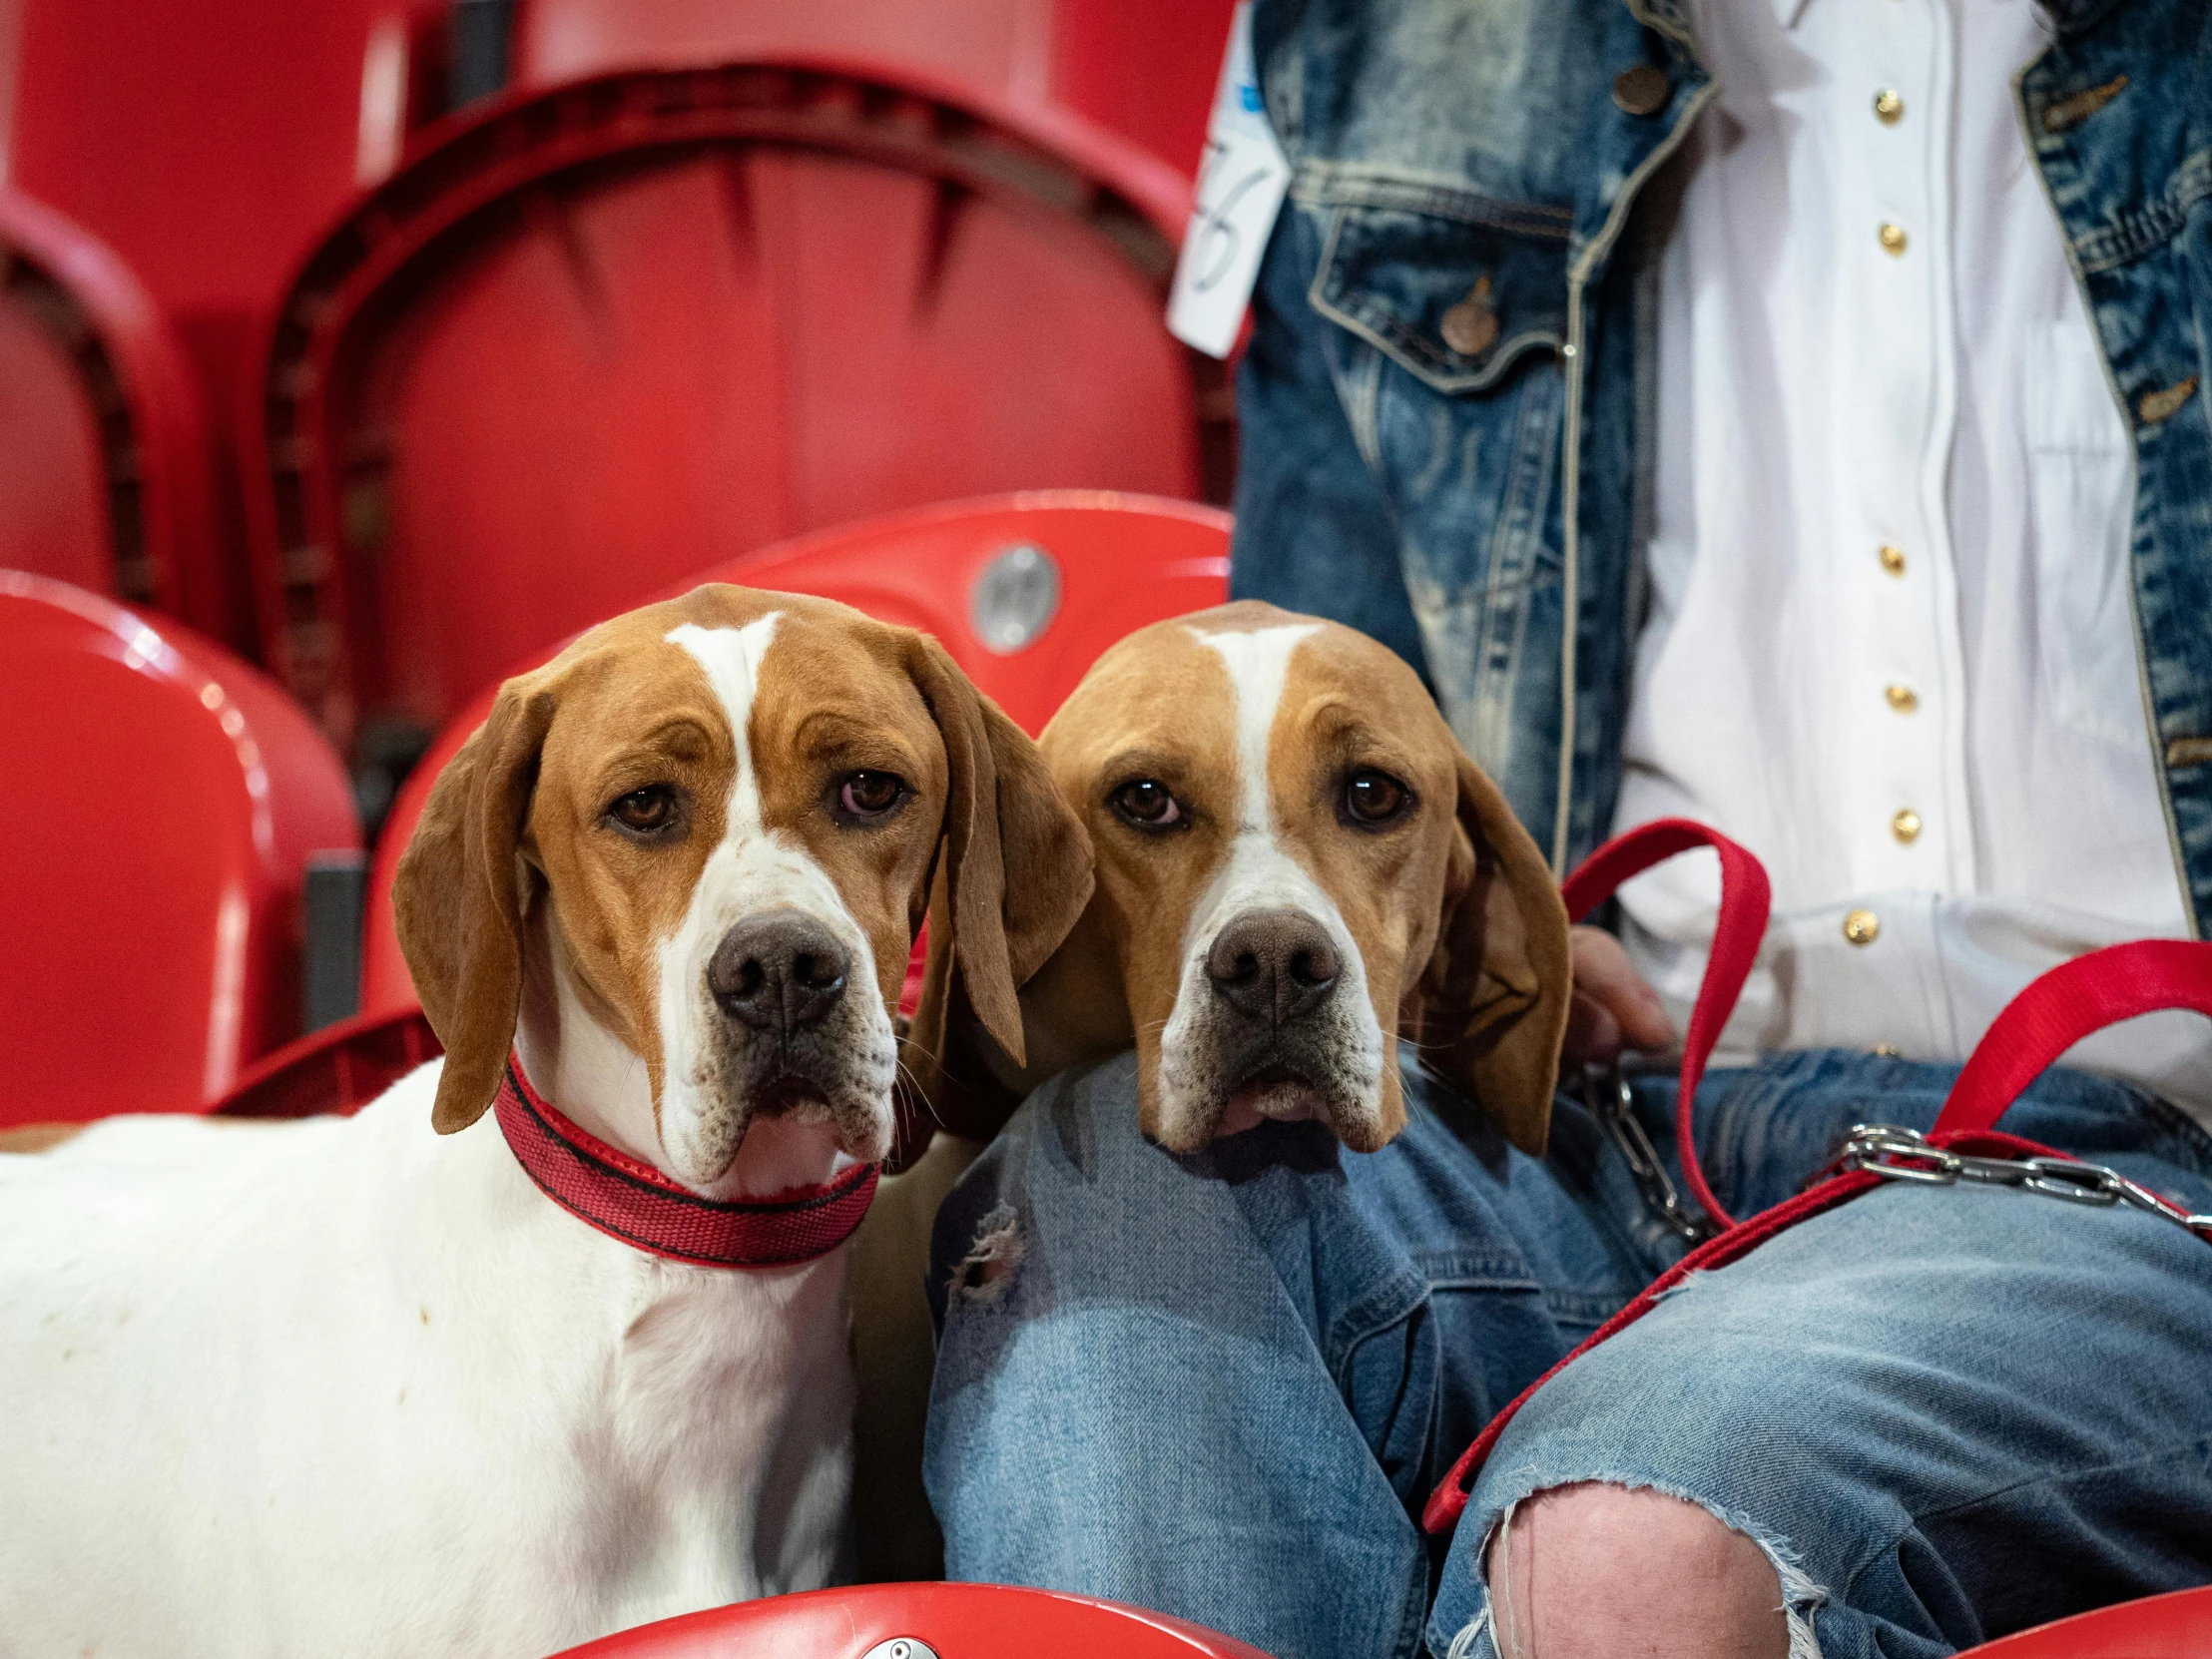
1296, 866
348, 1387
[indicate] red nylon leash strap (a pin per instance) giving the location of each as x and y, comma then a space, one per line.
2065, 1005
630, 1200
1737, 931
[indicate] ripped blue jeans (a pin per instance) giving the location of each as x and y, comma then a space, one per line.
1222, 1385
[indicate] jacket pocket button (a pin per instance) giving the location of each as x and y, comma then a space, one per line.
1470, 328
1642, 89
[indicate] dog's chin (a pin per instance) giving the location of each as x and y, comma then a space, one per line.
764, 1137
861, 1126
1275, 1094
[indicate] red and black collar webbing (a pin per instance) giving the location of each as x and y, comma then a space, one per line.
630, 1200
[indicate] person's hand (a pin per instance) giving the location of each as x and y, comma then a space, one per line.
1613, 1008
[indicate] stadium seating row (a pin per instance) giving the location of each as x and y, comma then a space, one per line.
308, 357
158, 753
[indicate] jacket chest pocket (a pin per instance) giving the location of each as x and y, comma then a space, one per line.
1455, 291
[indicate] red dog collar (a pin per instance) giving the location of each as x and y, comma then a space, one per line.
632, 1200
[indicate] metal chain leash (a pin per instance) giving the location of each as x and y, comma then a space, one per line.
1606, 1091
1884, 1149
1898, 1154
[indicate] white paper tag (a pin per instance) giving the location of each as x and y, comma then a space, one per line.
1240, 184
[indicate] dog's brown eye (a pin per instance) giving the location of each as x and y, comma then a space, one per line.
865, 794
1148, 804
1374, 797
643, 812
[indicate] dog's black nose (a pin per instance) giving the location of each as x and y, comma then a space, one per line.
778, 971
1273, 966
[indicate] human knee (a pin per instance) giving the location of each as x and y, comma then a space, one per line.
1594, 1569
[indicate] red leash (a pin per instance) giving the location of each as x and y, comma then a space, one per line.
2052, 1014
1740, 924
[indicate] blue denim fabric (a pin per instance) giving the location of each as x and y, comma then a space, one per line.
1464, 507
1222, 1386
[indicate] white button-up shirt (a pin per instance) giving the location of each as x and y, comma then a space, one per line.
1891, 647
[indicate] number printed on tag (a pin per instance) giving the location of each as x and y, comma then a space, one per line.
1241, 182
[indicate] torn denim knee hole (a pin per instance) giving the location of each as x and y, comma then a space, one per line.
988, 1268
1802, 1597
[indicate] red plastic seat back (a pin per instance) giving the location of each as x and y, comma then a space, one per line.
1144, 68
2176, 1626
954, 1621
208, 145
595, 339
105, 467
1024, 591
162, 801
986, 43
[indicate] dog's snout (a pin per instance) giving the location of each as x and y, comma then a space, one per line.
1273, 966
778, 971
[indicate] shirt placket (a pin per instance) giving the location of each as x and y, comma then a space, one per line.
1904, 805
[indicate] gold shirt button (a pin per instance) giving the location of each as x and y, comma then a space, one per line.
1862, 926
1892, 238
1905, 826
1902, 698
1889, 108
1893, 559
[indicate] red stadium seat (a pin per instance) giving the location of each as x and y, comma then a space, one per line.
1144, 68
2176, 1626
921, 1621
106, 473
162, 801
601, 336
986, 45
1024, 591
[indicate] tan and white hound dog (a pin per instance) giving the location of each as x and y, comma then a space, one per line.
347, 1387
1296, 866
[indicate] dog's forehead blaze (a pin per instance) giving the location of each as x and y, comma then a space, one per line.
632, 701
1171, 690
839, 698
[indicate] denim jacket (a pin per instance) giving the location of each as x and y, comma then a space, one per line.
1446, 402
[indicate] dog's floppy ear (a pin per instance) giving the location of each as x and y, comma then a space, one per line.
1493, 1005
1013, 874
458, 900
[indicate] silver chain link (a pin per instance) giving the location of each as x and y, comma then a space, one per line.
1896, 1154
1885, 1149
1605, 1090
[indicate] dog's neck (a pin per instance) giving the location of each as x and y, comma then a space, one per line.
603, 1085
